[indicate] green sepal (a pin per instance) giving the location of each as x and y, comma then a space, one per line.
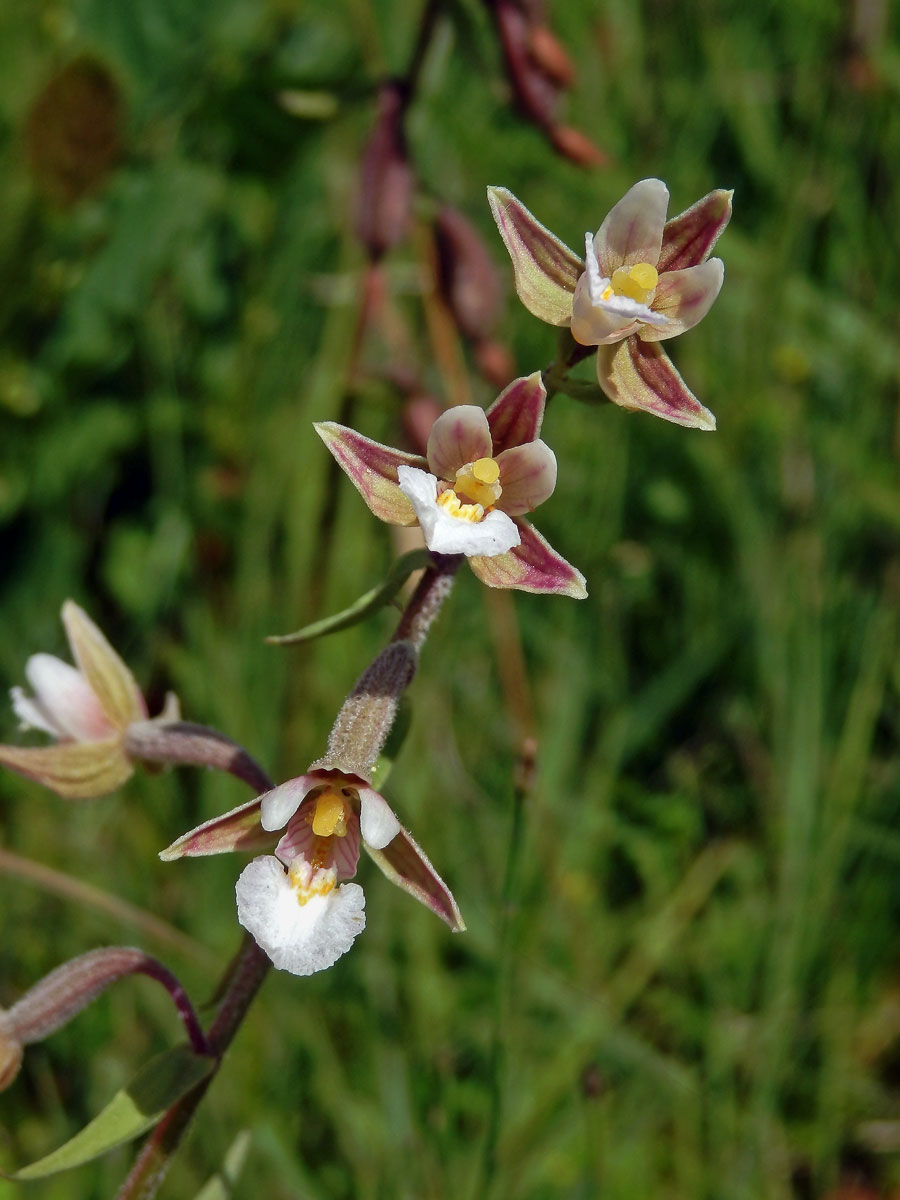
132, 1111
370, 602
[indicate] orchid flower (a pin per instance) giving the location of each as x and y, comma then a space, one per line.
87, 710
643, 280
482, 472
296, 902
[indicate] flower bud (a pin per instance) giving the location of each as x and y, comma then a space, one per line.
577, 147
550, 55
385, 200
467, 276
535, 91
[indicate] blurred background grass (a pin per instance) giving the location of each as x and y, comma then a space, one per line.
688, 984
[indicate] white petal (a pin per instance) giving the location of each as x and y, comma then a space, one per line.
63, 703
495, 534
278, 806
300, 938
378, 823
598, 322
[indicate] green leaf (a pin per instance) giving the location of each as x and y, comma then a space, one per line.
132, 1111
221, 1185
367, 604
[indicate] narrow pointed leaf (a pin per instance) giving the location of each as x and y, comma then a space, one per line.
546, 270
132, 1111
221, 1186
370, 602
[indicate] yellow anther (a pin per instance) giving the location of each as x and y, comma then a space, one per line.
330, 816
637, 282
486, 470
644, 275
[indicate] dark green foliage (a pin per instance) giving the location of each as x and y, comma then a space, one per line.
694, 982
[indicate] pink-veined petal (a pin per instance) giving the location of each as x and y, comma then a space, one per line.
299, 839
685, 297
239, 830
459, 436
279, 805
372, 469
405, 864
640, 376
107, 675
63, 704
533, 566
300, 938
515, 416
633, 229
688, 239
377, 820
545, 269
527, 476
74, 770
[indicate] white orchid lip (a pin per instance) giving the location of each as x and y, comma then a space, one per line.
451, 527
606, 293
299, 918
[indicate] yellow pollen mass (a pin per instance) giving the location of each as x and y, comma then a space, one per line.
330, 816
479, 482
637, 282
486, 470
451, 503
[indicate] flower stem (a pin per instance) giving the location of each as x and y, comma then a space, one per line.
425, 603
181, 742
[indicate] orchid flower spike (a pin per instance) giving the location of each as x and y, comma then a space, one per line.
296, 902
87, 710
643, 280
482, 472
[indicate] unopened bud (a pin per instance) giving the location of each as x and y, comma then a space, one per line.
368, 713
551, 56
578, 147
466, 273
495, 362
385, 200
535, 91
418, 415
70, 988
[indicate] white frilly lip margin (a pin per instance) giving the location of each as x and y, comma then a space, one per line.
300, 938
495, 534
